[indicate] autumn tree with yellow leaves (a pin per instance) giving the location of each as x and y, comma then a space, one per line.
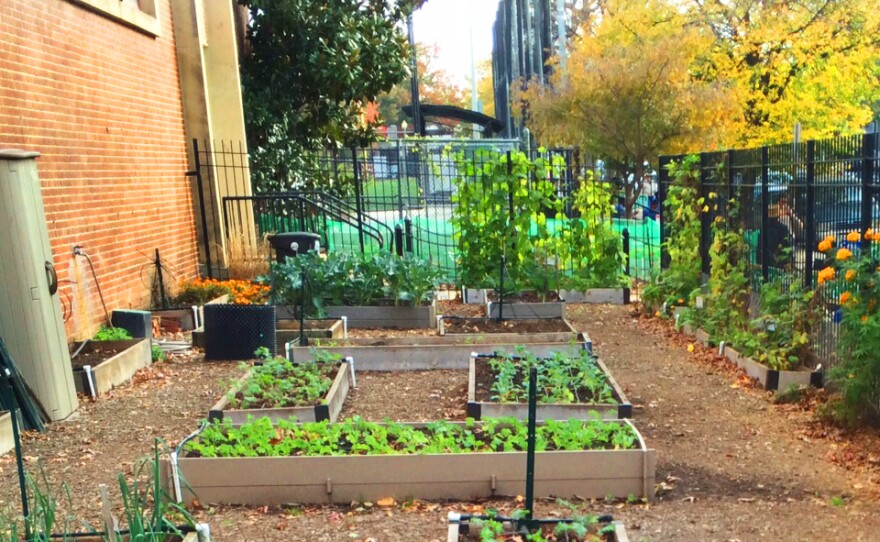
627, 93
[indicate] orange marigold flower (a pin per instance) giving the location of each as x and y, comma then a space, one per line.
853, 237
845, 298
844, 254
681, 301
824, 245
869, 234
829, 238
850, 275
864, 318
826, 275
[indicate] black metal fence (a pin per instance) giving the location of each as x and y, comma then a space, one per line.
394, 195
788, 198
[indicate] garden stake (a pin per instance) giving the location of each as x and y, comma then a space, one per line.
162, 296
530, 453
9, 399
303, 341
501, 289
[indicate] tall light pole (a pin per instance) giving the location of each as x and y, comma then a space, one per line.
418, 125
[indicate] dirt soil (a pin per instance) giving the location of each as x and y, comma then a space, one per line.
308, 324
408, 396
491, 325
524, 297
97, 352
732, 465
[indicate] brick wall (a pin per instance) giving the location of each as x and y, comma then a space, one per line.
101, 102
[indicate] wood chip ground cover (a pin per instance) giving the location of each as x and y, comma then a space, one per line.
731, 464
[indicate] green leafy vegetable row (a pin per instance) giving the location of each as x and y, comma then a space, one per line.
280, 383
341, 279
355, 436
562, 378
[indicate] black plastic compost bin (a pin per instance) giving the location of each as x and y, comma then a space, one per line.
290, 245
236, 331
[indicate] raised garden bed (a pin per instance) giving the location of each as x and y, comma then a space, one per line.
102, 365
770, 379
183, 318
288, 330
613, 296
465, 530
7, 439
426, 357
570, 386
525, 305
188, 537
588, 473
538, 330
338, 376
388, 316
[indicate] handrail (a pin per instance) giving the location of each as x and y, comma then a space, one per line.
330, 205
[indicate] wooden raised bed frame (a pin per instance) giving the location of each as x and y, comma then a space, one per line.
334, 330
329, 408
612, 296
390, 316
424, 357
455, 531
547, 411
770, 379
262, 481
7, 439
116, 370
531, 311
480, 338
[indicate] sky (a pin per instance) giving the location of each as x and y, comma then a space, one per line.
446, 24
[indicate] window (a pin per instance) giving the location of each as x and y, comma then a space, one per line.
138, 14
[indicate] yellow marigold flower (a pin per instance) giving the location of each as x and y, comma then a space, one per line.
853, 237
844, 254
845, 297
824, 245
850, 275
691, 347
657, 313
705, 208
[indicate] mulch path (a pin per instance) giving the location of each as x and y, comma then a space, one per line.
732, 465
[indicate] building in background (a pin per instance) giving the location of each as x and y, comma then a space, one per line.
526, 34
111, 93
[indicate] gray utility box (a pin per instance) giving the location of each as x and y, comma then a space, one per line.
30, 310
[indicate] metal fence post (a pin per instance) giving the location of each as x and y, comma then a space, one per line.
705, 223
869, 150
408, 234
662, 182
811, 214
765, 214
400, 186
358, 198
398, 240
626, 249
197, 173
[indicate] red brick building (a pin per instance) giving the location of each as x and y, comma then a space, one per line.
94, 86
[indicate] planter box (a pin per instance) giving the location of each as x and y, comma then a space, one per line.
703, 337
186, 316
613, 296
459, 527
395, 317
543, 336
288, 330
262, 481
423, 357
517, 311
334, 330
475, 296
546, 411
134, 354
329, 409
188, 537
7, 438
772, 379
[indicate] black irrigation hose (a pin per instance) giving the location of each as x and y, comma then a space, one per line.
97, 285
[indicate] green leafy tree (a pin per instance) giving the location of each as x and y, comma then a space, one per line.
309, 67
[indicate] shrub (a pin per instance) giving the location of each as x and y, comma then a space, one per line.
110, 333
